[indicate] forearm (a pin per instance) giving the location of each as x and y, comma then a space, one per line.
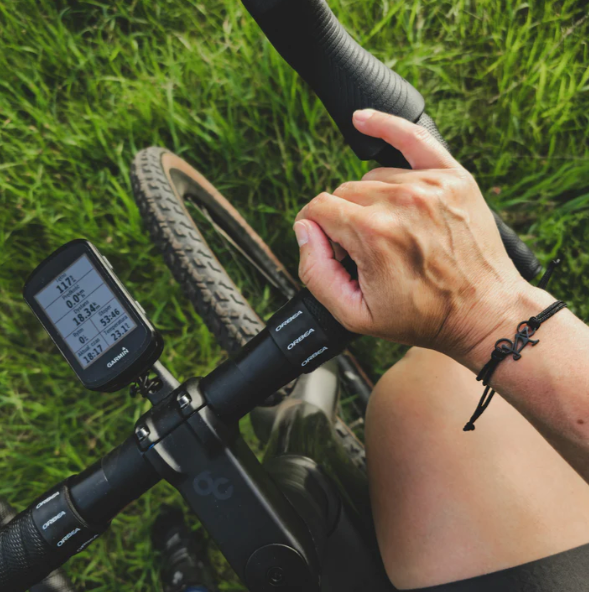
549, 385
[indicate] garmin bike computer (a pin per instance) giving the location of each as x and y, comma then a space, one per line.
99, 328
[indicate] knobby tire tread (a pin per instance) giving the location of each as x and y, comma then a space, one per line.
226, 313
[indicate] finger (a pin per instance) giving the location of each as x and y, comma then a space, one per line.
391, 175
417, 145
336, 216
326, 277
363, 193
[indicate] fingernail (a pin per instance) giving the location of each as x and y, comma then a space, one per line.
301, 233
363, 115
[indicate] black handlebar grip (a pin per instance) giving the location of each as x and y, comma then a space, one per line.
56, 581
41, 539
344, 75
25, 557
521, 255
337, 335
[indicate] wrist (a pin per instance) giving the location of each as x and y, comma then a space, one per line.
498, 318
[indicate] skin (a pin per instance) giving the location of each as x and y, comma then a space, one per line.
433, 273
450, 505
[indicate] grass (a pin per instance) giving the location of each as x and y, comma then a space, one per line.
85, 84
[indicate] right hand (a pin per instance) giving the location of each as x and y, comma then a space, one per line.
432, 270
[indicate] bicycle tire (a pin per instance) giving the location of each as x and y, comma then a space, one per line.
214, 295
161, 181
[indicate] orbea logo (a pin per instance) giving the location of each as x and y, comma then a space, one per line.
67, 537
313, 356
289, 320
299, 339
53, 520
46, 501
123, 353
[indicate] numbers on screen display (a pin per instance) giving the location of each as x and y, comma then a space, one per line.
89, 356
65, 284
118, 333
85, 313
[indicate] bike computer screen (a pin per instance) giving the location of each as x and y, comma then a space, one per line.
101, 331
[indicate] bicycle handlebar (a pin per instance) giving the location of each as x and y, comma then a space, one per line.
298, 339
303, 334
70, 516
346, 77
26, 557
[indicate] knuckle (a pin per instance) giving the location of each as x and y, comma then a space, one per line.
456, 184
445, 185
374, 174
415, 195
316, 203
365, 225
374, 224
380, 222
322, 198
462, 174
347, 187
459, 178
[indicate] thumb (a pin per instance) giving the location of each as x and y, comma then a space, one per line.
326, 278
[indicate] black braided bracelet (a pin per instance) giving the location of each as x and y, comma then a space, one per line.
505, 347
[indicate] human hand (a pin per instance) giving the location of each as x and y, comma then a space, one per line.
432, 270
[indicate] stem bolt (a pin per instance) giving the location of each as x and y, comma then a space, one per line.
142, 432
184, 400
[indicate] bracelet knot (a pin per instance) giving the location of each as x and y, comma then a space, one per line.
533, 323
499, 353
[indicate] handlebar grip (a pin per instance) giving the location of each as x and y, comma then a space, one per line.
522, 256
41, 539
344, 75
25, 557
56, 581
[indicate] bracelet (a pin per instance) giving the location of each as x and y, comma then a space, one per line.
505, 347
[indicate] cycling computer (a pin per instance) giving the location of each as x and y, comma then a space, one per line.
99, 328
